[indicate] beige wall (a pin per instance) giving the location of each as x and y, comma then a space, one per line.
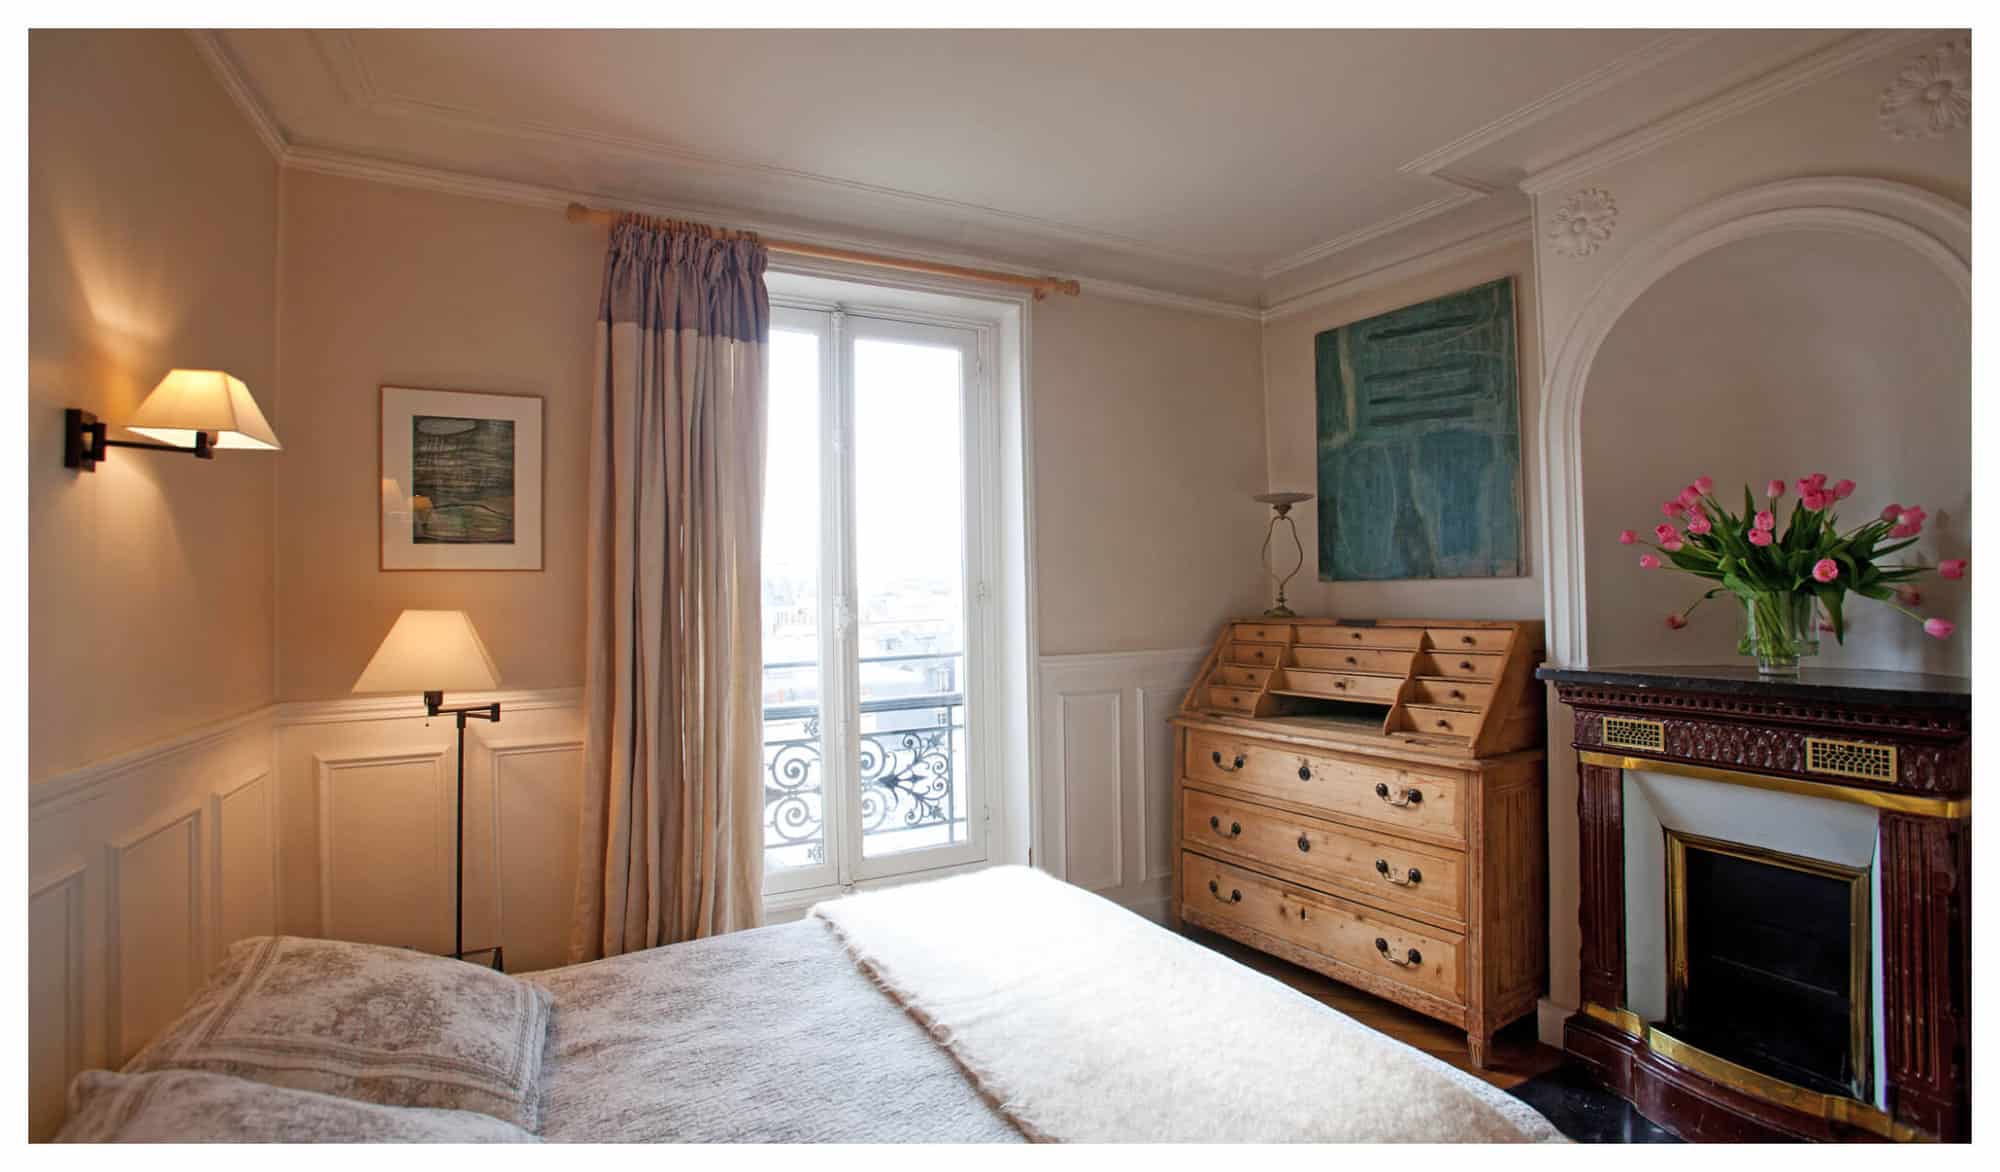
1148, 448
391, 285
151, 244
1146, 422
1290, 431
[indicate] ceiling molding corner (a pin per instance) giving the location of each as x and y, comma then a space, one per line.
1405, 268
238, 87
1466, 193
1769, 86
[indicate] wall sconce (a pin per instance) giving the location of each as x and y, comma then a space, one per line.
194, 411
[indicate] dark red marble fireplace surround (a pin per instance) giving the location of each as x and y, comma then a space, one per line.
1727, 724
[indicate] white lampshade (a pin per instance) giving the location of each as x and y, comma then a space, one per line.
430, 651
188, 401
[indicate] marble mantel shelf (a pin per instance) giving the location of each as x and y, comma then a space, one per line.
1816, 685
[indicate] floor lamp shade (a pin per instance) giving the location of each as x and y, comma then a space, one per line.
212, 401
430, 651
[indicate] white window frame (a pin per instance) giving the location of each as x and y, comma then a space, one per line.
838, 325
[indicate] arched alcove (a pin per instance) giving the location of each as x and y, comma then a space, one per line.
1776, 355
1880, 237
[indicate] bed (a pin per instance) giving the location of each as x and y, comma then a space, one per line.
999, 1006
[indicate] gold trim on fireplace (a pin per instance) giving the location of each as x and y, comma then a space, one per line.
1860, 929
1833, 1108
1898, 803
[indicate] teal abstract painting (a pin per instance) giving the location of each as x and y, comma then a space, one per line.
1420, 441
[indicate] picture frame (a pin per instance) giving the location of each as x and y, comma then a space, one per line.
460, 477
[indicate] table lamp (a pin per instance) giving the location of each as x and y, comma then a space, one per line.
433, 652
1281, 506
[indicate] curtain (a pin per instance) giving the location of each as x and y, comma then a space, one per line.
670, 842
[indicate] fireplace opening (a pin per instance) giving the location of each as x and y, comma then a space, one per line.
1769, 962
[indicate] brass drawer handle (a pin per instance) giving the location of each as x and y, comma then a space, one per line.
1444, 722
1411, 877
1407, 796
1456, 694
1466, 665
1215, 824
1235, 896
1217, 758
1305, 844
1411, 957
1340, 685
1305, 770
1469, 641
1353, 662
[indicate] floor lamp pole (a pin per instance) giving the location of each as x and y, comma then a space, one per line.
434, 704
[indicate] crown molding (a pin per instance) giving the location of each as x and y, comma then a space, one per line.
1766, 87
1615, 73
237, 86
1404, 268
324, 161
1467, 193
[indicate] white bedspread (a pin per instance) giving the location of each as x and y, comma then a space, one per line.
1081, 1021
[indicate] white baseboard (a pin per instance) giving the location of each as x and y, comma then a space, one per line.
1549, 1019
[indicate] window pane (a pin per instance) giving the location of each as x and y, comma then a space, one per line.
794, 827
909, 476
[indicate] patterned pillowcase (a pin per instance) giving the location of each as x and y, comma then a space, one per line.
382, 1025
189, 1106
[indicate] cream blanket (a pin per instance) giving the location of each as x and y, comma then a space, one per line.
1081, 1021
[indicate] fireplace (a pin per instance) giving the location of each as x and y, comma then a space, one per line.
1769, 962
1774, 903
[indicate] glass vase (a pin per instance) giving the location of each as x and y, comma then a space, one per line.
1780, 628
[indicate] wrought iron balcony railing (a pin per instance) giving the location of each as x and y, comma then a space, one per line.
910, 750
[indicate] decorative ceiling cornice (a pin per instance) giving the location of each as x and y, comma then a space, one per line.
1794, 75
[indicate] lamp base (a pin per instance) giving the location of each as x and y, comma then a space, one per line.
1281, 611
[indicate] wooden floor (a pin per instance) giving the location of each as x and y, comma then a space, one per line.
1516, 1056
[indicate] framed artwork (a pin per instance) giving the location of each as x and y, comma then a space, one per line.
1419, 442
461, 480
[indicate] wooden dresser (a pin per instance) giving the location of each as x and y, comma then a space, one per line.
1365, 797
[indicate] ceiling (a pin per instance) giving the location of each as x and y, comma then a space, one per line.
1242, 167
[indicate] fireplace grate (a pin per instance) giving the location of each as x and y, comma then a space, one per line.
1626, 733
1851, 759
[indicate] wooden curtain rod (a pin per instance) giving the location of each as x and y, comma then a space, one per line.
1041, 286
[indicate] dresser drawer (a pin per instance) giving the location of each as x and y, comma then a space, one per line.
1232, 699
1378, 870
1469, 640
1451, 693
1264, 632
1441, 721
1256, 654
1381, 945
1237, 676
1400, 638
1340, 687
1460, 664
1363, 659
1397, 799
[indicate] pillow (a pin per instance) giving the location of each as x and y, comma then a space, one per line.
382, 1025
189, 1106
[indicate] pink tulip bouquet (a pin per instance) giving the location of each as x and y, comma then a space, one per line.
1793, 583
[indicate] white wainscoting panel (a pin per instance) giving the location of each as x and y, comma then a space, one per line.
1108, 771
387, 848
243, 862
147, 865
535, 787
55, 996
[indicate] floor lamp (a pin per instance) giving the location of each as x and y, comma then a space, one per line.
434, 652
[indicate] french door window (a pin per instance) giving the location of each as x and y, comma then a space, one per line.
876, 640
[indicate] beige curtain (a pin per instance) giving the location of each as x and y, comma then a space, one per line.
673, 800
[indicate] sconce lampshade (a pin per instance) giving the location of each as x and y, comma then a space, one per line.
430, 651
190, 401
